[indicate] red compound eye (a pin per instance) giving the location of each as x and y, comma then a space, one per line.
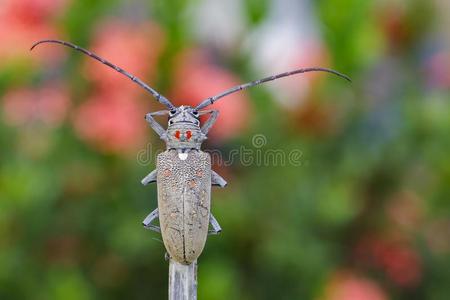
177, 134
188, 134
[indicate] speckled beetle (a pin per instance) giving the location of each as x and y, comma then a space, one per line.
183, 172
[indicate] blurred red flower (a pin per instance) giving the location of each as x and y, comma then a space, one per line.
48, 104
23, 22
17, 39
346, 285
134, 48
32, 12
393, 21
196, 79
112, 123
403, 265
394, 257
437, 69
112, 119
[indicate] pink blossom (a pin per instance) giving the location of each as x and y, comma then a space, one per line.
112, 120
438, 70
197, 79
136, 49
23, 22
112, 123
17, 39
346, 285
32, 12
48, 104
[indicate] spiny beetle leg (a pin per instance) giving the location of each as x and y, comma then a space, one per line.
155, 125
216, 179
210, 122
216, 229
151, 177
149, 219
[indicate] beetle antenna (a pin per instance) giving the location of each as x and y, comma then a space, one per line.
238, 88
160, 98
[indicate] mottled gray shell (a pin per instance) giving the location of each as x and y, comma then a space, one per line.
184, 189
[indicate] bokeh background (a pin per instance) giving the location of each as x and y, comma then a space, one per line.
365, 215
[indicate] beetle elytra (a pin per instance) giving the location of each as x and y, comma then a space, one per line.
183, 173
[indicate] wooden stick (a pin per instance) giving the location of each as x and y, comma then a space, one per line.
182, 281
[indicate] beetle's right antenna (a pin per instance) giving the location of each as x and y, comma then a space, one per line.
160, 98
211, 100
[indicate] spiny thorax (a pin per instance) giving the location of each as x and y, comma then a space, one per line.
184, 136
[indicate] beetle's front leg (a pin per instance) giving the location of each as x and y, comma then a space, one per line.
216, 229
150, 177
149, 219
216, 179
210, 122
155, 125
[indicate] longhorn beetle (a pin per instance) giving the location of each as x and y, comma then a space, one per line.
183, 172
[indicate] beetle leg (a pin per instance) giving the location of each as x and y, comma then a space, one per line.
216, 179
151, 177
155, 125
147, 221
215, 225
210, 122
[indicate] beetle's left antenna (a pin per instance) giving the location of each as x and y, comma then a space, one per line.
241, 87
160, 98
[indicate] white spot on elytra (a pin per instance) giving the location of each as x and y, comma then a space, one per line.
182, 156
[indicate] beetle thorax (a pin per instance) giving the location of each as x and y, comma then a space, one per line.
183, 131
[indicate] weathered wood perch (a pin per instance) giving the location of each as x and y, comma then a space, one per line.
182, 281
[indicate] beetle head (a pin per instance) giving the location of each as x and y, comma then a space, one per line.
183, 114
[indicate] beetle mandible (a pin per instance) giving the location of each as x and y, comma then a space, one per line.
183, 172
